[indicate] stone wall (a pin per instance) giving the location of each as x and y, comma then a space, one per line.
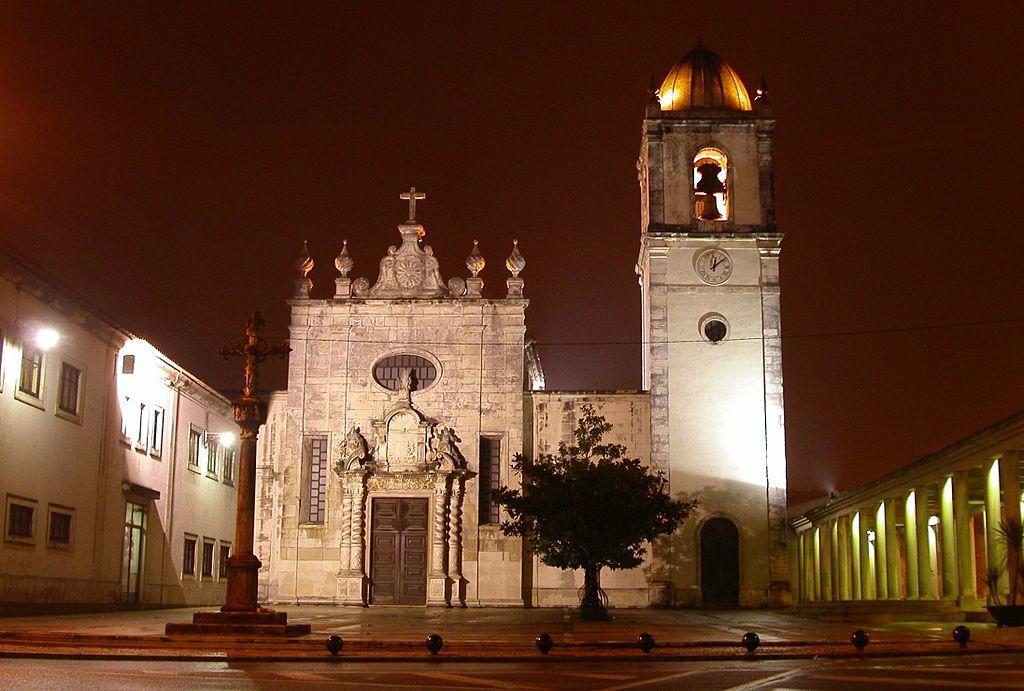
477, 346
550, 419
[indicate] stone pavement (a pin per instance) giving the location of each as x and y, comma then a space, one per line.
487, 633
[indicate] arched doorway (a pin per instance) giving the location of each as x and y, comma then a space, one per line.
719, 563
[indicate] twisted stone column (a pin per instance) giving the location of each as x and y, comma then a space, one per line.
455, 537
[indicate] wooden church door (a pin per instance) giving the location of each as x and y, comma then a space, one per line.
398, 551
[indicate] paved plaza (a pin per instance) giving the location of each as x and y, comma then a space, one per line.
489, 633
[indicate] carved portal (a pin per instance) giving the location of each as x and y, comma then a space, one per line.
411, 456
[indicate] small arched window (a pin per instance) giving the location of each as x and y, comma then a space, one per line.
710, 193
388, 371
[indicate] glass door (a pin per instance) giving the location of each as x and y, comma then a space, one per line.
134, 550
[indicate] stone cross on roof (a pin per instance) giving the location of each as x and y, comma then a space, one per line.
412, 196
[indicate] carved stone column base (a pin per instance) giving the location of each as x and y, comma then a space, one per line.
353, 589
438, 591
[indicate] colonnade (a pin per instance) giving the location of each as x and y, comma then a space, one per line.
933, 538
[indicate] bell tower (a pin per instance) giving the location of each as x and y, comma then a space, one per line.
709, 278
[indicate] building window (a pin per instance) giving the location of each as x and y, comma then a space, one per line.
229, 466
31, 380
207, 558
316, 487
142, 431
70, 390
710, 175
222, 566
126, 423
490, 478
388, 371
188, 562
714, 328
21, 519
156, 431
212, 452
59, 529
195, 444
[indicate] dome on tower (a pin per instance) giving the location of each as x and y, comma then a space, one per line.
701, 79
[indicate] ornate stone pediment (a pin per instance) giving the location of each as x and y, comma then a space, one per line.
409, 271
407, 441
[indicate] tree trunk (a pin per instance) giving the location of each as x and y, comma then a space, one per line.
593, 604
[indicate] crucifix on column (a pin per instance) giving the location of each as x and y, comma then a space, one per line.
241, 612
412, 196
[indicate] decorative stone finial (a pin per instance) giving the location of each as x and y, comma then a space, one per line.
762, 92
343, 263
515, 262
653, 99
303, 264
475, 261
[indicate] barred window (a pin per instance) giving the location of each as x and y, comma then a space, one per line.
388, 371
316, 489
19, 521
490, 478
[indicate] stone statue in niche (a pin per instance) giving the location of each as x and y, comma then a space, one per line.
406, 384
444, 450
354, 451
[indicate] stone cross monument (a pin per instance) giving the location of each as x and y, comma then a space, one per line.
241, 613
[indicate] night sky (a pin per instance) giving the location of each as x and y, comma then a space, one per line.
167, 164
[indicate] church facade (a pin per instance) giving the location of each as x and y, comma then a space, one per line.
408, 397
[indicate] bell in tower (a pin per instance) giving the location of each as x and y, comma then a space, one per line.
707, 186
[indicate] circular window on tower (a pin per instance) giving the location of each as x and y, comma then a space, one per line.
713, 328
388, 371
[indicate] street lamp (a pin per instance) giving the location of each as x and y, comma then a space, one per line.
47, 338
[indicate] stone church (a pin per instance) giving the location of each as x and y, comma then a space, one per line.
409, 395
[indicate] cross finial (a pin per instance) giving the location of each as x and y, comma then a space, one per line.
254, 350
412, 196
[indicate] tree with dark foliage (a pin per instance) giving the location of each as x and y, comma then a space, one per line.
589, 507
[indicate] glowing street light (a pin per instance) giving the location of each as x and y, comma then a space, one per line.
47, 338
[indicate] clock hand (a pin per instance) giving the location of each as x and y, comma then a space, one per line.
714, 263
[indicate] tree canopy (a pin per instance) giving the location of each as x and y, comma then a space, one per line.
589, 506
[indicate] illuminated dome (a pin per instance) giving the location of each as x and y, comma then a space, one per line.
701, 79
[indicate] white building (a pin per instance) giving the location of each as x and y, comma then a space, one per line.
116, 464
407, 398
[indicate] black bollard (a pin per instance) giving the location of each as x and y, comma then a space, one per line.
434, 643
334, 644
544, 643
962, 635
860, 639
750, 641
645, 642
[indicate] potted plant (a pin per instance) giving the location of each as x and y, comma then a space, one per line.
1011, 534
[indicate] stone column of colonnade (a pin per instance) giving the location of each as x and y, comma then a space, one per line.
964, 549
925, 575
843, 552
994, 551
867, 572
1009, 481
949, 567
910, 502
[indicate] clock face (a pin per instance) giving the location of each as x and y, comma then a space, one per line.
713, 266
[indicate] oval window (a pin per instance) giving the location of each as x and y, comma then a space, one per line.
388, 371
